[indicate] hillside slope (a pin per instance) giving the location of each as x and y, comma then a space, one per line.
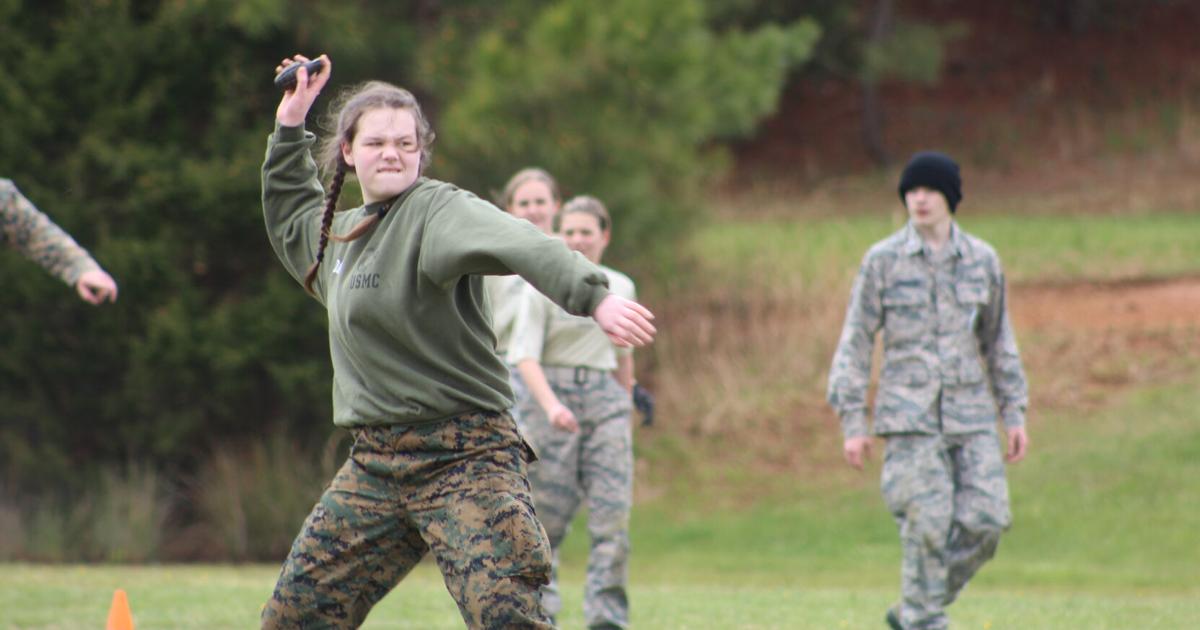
1015, 93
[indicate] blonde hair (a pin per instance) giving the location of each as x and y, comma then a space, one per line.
345, 113
526, 175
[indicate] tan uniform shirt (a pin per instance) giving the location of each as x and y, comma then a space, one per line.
504, 295
548, 334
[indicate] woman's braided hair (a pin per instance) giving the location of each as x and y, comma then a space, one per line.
343, 120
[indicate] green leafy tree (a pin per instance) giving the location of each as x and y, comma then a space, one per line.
139, 126
625, 100
864, 43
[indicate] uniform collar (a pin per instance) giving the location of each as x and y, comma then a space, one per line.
379, 207
383, 207
913, 244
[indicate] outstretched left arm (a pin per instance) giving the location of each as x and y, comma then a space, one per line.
33, 234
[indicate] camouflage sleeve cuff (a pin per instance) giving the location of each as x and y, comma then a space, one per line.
1013, 417
854, 423
72, 274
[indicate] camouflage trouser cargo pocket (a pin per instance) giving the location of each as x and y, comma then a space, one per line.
950, 500
457, 488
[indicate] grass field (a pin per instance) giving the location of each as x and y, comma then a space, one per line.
226, 597
1106, 535
774, 252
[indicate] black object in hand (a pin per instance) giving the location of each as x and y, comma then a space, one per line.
643, 401
286, 79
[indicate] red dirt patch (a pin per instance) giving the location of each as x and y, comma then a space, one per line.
1086, 345
1136, 306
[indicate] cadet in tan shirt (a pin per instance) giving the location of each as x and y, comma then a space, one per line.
578, 418
531, 194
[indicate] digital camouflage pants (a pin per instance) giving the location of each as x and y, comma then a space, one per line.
593, 465
949, 497
457, 488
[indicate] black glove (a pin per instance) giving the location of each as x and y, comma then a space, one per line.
643, 401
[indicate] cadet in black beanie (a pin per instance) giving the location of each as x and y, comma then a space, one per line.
935, 170
934, 295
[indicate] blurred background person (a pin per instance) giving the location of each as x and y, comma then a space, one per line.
577, 415
951, 372
531, 194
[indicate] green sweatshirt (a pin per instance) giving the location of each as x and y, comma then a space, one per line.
410, 331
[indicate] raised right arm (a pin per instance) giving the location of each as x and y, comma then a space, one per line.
292, 198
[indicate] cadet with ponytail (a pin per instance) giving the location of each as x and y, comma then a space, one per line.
437, 462
531, 194
577, 415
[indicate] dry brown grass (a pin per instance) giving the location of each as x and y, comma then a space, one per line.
741, 370
1090, 344
740, 379
741, 374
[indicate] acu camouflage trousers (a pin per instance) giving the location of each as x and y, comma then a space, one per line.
949, 497
593, 465
457, 488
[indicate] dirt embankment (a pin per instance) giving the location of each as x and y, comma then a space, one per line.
1086, 345
1132, 306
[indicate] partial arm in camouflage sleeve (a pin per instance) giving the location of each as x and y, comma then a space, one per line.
999, 347
32, 233
850, 375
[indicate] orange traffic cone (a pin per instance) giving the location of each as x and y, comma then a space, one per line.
119, 617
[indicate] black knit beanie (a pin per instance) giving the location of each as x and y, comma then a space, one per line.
935, 170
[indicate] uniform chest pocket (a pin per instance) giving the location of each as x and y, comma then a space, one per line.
971, 293
905, 311
973, 298
972, 302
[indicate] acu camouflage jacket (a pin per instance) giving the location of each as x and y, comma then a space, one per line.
950, 360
